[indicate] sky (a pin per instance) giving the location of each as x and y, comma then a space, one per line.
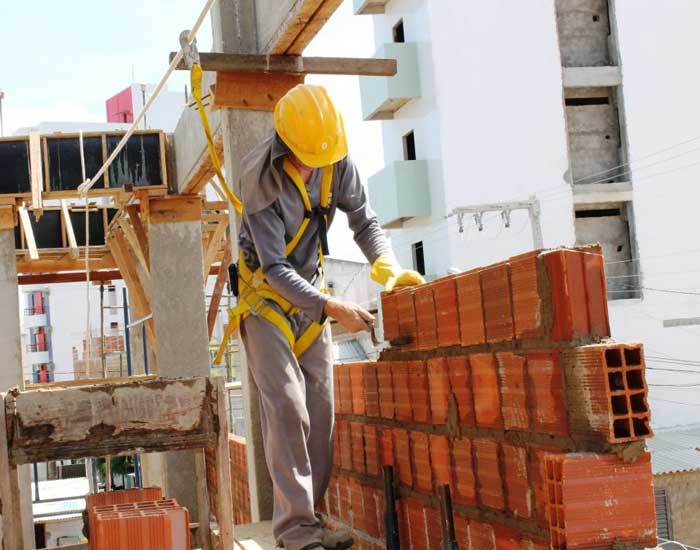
63, 65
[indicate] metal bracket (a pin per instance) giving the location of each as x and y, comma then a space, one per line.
190, 53
479, 220
506, 217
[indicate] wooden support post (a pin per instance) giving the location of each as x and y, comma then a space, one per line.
135, 244
221, 279
37, 178
8, 216
213, 247
224, 501
28, 233
135, 217
252, 91
202, 500
70, 233
12, 537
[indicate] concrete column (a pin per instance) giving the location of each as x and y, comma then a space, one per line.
11, 361
234, 30
179, 316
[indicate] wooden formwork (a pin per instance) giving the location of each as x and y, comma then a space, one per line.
117, 419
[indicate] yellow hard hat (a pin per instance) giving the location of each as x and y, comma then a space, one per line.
309, 124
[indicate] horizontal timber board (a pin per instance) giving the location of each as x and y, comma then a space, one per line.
100, 420
294, 64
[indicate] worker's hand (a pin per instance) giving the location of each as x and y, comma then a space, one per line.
351, 316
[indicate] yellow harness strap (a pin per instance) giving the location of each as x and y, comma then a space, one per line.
254, 291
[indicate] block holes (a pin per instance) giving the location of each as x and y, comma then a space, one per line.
398, 32
418, 257
613, 358
409, 146
621, 428
633, 356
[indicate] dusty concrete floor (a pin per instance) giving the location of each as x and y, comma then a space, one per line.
254, 536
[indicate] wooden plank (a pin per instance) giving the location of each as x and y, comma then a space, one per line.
175, 208
202, 500
135, 244
70, 233
100, 259
93, 382
37, 177
302, 23
11, 532
8, 218
252, 91
135, 217
139, 297
224, 502
221, 279
28, 233
213, 246
114, 419
293, 64
163, 158
71, 277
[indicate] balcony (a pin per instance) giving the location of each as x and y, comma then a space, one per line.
35, 320
400, 192
369, 7
383, 96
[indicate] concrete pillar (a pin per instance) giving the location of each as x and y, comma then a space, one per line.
234, 30
11, 361
179, 316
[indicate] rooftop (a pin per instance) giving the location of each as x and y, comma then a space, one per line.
676, 450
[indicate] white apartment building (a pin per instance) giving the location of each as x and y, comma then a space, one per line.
588, 105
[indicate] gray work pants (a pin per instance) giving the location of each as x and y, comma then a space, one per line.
297, 423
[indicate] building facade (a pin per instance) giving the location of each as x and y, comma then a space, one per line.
564, 101
37, 352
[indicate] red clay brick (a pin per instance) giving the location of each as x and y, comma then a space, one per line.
371, 389
580, 489
426, 323
447, 311
390, 316
462, 531
487, 400
344, 404
416, 525
418, 391
358, 513
333, 498
439, 385
420, 459
342, 430
371, 509
511, 374
337, 452
506, 538
498, 310
358, 447
596, 289
402, 512
371, 450
344, 503
532, 544
482, 535
408, 328
547, 387
465, 482
461, 384
471, 312
357, 384
402, 456
518, 493
386, 390
488, 474
441, 460
402, 399
336, 390
386, 447
537, 458
433, 526
527, 301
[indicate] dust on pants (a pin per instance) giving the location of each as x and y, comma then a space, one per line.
297, 422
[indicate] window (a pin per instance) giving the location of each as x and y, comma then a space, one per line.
418, 258
398, 32
114, 325
409, 146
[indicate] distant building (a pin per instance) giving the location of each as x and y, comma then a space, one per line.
37, 351
163, 114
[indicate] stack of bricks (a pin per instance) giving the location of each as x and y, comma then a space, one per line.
502, 383
239, 480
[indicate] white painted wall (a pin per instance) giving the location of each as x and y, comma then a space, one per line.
165, 111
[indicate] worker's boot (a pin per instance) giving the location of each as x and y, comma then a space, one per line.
336, 540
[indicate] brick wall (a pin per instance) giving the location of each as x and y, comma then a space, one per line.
239, 479
503, 383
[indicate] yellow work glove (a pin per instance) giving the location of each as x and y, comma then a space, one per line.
387, 271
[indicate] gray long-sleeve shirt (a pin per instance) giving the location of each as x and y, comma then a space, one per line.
273, 211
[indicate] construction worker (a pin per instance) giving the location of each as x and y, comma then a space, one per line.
290, 187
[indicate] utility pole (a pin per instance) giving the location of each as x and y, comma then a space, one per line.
532, 205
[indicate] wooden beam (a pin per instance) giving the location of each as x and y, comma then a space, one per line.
175, 208
93, 382
11, 532
113, 419
135, 244
252, 91
60, 261
221, 279
224, 501
37, 178
28, 233
213, 246
135, 216
122, 256
70, 233
302, 23
293, 64
8, 217
71, 277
